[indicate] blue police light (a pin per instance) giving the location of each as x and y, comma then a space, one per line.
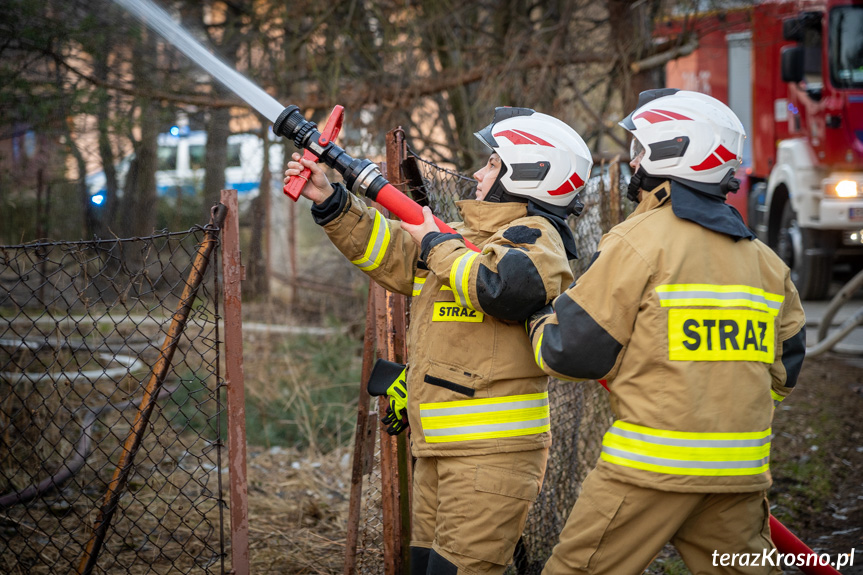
97, 199
175, 130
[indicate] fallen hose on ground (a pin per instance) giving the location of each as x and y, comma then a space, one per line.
80, 452
825, 342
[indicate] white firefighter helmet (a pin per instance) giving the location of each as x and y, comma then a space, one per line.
545, 158
686, 136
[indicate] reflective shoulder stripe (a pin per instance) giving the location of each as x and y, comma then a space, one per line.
419, 282
497, 417
459, 277
377, 246
687, 453
678, 295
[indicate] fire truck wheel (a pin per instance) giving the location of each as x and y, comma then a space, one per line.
811, 264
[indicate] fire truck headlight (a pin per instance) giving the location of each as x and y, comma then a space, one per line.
846, 189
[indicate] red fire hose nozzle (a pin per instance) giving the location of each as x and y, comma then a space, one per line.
361, 176
331, 131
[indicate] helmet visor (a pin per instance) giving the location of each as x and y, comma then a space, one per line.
636, 149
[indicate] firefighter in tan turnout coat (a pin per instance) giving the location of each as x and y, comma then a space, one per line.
698, 329
477, 402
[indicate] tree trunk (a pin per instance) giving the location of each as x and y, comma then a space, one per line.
258, 272
218, 124
632, 34
106, 154
139, 199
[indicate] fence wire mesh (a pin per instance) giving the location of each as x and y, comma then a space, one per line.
580, 412
83, 324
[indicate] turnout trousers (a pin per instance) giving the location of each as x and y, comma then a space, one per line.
619, 528
469, 512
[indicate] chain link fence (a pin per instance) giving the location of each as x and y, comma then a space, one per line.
84, 327
580, 412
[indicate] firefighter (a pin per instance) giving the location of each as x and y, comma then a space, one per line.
477, 402
699, 332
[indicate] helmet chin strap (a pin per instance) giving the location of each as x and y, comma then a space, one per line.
497, 193
641, 180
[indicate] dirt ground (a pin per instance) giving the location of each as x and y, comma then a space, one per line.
817, 458
298, 502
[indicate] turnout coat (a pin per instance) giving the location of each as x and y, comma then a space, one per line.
473, 385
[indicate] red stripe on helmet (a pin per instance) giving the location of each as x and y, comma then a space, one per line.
515, 137
710, 162
723, 153
565, 188
536, 139
576, 181
675, 115
652, 117
656, 116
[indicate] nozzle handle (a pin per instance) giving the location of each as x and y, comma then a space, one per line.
329, 134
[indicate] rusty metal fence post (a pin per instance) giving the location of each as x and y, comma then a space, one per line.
385, 337
233, 273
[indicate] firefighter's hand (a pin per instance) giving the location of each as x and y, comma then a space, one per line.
419, 231
396, 415
317, 187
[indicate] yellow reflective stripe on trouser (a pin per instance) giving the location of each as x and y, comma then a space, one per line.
777, 399
686, 453
495, 417
678, 295
418, 285
377, 247
459, 277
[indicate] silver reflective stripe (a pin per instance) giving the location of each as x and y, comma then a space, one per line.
676, 442
459, 279
487, 428
378, 243
418, 285
701, 294
685, 463
482, 408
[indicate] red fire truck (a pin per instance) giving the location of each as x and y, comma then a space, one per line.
793, 72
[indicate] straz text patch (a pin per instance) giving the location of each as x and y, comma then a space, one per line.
451, 311
720, 335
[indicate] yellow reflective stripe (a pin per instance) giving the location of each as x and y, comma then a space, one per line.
418, 285
377, 246
537, 353
497, 417
688, 295
459, 277
777, 399
459, 421
686, 453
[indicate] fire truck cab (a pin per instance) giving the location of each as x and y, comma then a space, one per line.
793, 72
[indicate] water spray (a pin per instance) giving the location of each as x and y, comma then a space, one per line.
361, 176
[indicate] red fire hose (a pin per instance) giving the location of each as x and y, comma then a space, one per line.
388, 195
